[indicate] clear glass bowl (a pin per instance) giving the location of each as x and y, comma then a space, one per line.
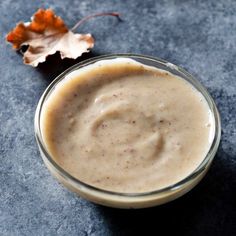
129, 200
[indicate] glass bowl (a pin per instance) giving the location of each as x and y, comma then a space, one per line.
129, 200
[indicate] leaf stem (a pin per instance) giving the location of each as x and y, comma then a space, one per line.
116, 14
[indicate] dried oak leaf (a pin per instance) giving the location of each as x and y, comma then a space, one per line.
45, 35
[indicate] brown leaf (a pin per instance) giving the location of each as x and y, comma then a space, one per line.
45, 35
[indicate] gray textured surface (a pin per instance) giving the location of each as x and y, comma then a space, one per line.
198, 35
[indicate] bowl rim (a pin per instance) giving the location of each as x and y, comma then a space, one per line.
201, 167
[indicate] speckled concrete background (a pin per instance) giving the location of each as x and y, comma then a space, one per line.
198, 35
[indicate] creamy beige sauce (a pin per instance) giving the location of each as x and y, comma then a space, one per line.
122, 126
